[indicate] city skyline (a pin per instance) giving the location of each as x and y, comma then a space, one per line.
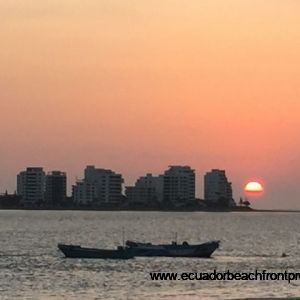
138, 85
103, 188
79, 179
238, 191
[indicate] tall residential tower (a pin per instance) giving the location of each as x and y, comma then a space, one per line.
56, 188
99, 186
217, 187
179, 185
31, 186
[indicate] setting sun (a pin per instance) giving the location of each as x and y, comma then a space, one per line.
254, 188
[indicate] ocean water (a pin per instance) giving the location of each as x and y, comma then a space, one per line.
31, 267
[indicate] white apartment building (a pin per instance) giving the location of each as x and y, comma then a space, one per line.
98, 186
31, 185
147, 189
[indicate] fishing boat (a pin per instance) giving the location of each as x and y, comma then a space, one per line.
76, 251
204, 250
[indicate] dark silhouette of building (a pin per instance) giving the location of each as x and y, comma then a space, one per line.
179, 186
217, 189
56, 188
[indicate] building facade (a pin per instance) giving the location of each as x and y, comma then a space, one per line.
179, 185
99, 186
217, 187
31, 186
56, 188
84, 192
146, 191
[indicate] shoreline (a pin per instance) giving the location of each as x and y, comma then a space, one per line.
248, 210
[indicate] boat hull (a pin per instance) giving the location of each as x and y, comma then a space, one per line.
72, 251
204, 250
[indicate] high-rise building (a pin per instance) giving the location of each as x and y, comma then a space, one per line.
217, 187
84, 192
99, 186
56, 188
31, 185
179, 185
147, 190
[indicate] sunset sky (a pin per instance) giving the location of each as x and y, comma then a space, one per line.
138, 85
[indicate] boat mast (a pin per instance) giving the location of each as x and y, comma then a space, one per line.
123, 236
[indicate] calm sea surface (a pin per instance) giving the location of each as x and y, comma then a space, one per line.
31, 267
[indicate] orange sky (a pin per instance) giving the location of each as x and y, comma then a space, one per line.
138, 85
